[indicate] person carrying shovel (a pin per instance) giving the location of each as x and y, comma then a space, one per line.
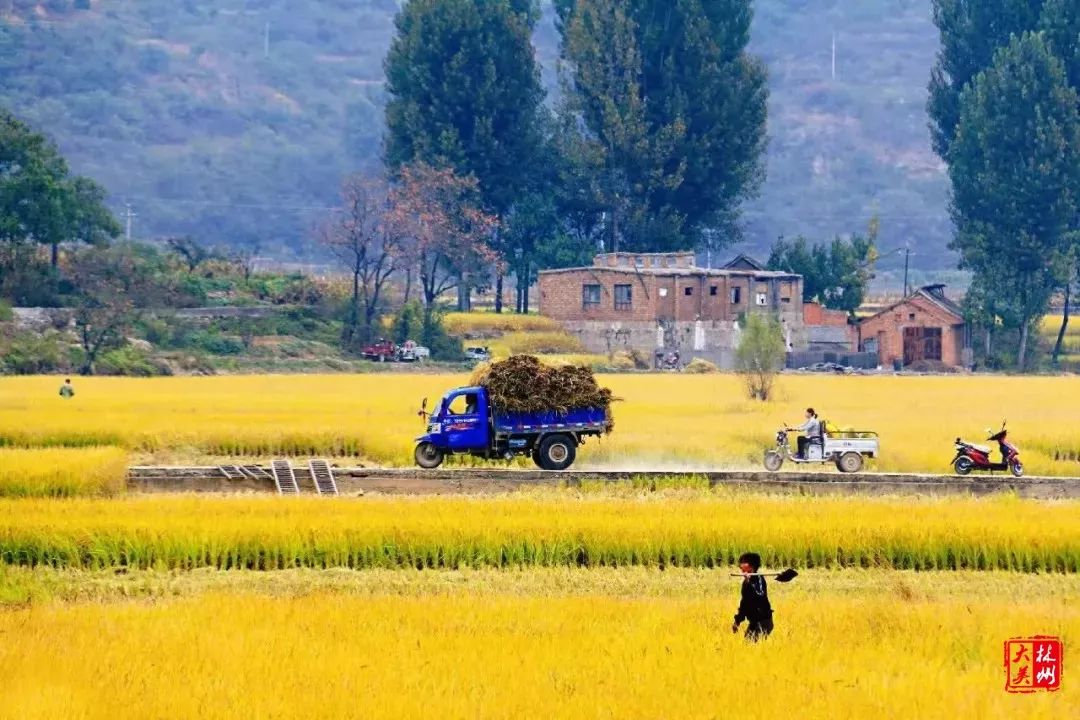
754, 606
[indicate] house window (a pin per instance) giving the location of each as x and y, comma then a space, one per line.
688, 291
623, 297
712, 290
762, 299
590, 296
911, 316
785, 300
736, 295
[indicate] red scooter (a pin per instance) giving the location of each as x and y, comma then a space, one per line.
976, 457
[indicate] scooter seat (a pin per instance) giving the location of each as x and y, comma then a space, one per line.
980, 448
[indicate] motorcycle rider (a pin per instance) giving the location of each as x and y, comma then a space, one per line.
812, 428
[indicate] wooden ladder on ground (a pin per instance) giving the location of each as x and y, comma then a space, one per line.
256, 472
323, 477
231, 472
284, 478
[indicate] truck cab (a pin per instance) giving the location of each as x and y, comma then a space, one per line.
464, 421
461, 421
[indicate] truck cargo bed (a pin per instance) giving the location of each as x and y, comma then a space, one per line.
584, 420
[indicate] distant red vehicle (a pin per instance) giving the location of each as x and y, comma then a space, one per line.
380, 351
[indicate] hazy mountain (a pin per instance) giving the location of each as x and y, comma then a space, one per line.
234, 121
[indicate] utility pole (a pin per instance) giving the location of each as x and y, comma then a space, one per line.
907, 258
128, 216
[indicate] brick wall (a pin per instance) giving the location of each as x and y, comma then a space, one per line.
691, 312
817, 314
830, 328
679, 298
561, 296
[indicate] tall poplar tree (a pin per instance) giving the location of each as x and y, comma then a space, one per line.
971, 32
464, 93
672, 114
1015, 169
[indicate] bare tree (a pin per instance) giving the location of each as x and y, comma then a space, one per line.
245, 257
365, 238
447, 231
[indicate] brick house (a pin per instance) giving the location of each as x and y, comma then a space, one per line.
829, 330
925, 326
663, 301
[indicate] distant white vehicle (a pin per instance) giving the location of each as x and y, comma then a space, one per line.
479, 354
409, 351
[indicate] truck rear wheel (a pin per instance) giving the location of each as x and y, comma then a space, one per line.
428, 456
850, 462
557, 452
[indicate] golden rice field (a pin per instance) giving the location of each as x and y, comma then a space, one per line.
663, 421
62, 472
548, 529
628, 643
490, 324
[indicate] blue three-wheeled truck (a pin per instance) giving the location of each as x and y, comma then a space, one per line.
466, 422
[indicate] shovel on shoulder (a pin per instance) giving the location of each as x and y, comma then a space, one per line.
783, 577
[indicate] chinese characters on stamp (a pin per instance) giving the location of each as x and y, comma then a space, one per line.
1033, 664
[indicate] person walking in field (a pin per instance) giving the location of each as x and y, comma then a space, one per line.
67, 390
754, 606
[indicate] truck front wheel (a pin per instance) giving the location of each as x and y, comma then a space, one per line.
428, 456
557, 452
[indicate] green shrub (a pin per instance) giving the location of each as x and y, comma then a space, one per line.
408, 323
213, 342
130, 361
285, 289
441, 344
32, 354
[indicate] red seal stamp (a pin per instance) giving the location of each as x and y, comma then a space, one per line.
1033, 664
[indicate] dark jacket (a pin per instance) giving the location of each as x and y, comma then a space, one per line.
755, 600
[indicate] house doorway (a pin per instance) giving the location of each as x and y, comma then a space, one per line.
922, 343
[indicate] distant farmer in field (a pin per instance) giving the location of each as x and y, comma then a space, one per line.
812, 428
754, 606
67, 390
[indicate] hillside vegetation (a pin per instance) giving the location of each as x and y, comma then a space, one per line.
235, 121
